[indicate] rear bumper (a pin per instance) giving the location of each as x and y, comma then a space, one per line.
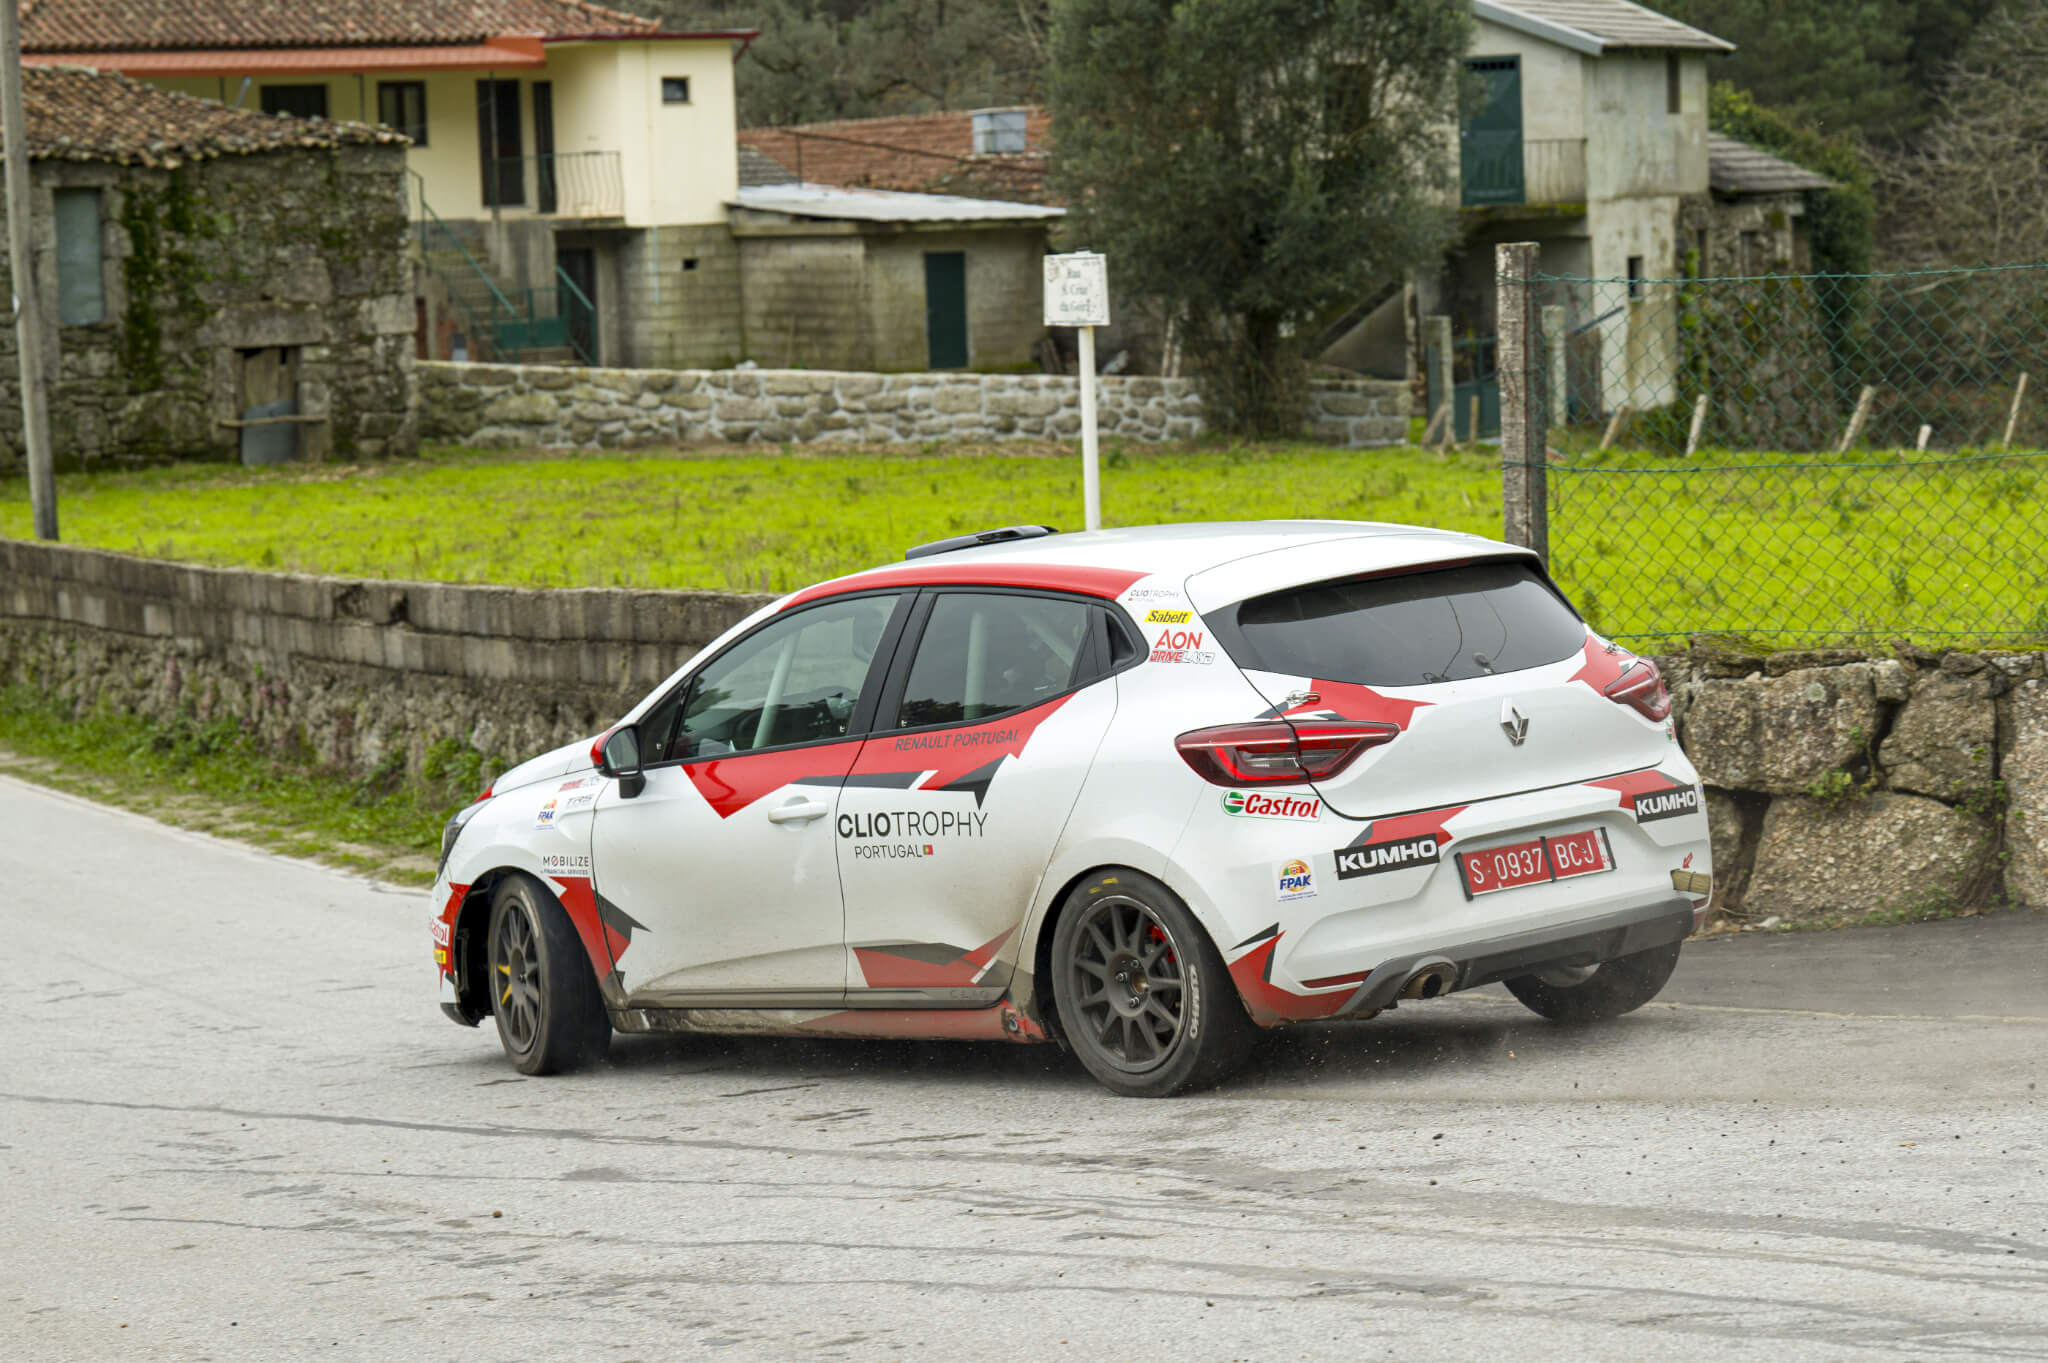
1587, 941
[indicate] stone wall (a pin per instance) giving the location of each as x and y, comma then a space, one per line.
1840, 784
361, 676
515, 406
300, 250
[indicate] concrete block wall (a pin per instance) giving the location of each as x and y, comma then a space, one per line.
806, 302
680, 303
517, 406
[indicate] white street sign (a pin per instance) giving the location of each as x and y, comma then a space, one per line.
1077, 290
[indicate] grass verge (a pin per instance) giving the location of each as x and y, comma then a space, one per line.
1874, 544
215, 779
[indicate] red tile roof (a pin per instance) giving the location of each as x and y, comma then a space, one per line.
79, 115
920, 153
154, 25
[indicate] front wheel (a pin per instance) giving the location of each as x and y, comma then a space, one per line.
1143, 997
1607, 990
550, 1015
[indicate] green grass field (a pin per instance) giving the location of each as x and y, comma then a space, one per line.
1648, 546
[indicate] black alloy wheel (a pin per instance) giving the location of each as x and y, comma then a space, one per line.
1143, 998
543, 989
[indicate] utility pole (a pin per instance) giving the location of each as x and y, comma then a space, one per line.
28, 312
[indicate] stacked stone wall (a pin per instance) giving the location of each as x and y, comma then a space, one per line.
516, 406
1838, 785
361, 675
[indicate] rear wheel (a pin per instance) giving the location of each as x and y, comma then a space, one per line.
543, 992
1580, 994
1143, 997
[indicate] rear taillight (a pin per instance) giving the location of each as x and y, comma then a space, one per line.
1641, 688
1275, 752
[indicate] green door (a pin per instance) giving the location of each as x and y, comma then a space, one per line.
1490, 142
945, 308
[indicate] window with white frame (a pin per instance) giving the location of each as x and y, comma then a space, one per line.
998, 131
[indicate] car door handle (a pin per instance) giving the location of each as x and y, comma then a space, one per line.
797, 811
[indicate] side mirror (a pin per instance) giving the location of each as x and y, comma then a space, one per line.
618, 756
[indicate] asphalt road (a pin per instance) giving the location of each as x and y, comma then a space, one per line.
234, 1125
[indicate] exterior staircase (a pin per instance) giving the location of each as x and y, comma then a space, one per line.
513, 325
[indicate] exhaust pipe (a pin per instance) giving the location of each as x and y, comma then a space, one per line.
1429, 979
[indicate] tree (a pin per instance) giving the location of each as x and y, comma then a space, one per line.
830, 59
1861, 67
1251, 164
1843, 220
1974, 188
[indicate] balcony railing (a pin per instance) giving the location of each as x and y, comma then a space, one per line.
580, 184
1554, 170
1501, 168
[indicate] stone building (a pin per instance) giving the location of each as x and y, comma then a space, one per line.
202, 268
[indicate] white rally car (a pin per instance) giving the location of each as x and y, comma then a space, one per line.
1138, 792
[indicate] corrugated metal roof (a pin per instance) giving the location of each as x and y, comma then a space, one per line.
1735, 167
1598, 26
884, 205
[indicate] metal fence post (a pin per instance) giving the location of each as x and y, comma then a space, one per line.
1524, 412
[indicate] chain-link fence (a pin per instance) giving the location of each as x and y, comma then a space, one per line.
1793, 459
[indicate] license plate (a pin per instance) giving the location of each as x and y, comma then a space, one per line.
1536, 862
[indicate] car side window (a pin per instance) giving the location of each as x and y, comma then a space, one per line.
795, 681
984, 655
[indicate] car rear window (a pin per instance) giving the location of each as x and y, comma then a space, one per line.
1440, 625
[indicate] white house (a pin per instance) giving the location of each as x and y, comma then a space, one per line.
1592, 141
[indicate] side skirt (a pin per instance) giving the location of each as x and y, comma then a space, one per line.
1003, 1022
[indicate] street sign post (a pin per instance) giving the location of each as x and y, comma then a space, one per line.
1077, 295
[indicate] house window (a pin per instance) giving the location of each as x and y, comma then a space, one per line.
81, 277
1635, 276
998, 132
1674, 90
300, 101
675, 89
402, 105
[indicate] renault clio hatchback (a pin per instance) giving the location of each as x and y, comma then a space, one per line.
1138, 793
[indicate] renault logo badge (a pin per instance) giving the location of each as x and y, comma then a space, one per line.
1514, 722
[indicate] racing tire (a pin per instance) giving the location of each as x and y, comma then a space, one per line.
1144, 1000
1619, 986
544, 994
